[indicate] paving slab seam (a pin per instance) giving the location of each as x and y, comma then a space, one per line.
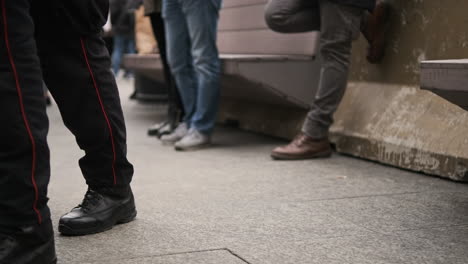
357, 197
237, 256
355, 224
175, 254
425, 228
391, 232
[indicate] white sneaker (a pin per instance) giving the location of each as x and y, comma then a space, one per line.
193, 140
176, 135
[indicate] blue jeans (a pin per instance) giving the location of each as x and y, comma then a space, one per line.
122, 45
191, 28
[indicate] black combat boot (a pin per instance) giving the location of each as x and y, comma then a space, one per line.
100, 211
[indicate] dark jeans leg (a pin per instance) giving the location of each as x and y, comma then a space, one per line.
117, 53
24, 155
175, 109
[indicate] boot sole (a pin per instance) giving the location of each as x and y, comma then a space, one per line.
68, 231
278, 156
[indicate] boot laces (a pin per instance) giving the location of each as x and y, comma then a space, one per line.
90, 200
300, 140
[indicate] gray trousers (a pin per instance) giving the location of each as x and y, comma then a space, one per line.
339, 25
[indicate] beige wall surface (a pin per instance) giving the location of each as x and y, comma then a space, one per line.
385, 116
419, 30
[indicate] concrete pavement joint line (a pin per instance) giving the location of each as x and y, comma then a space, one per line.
236, 255
178, 253
362, 226
391, 232
356, 197
425, 228
356, 224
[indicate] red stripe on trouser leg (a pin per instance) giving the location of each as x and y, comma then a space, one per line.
102, 107
23, 112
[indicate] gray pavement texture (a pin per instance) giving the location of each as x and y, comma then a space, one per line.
232, 204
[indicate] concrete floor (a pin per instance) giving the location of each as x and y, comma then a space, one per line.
232, 204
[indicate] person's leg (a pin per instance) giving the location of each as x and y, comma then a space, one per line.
340, 25
374, 27
202, 20
293, 16
26, 234
180, 63
88, 99
157, 24
87, 96
175, 109
178, 55
129, 48
117, 53
24, 163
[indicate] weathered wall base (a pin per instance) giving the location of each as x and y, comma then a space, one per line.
405, 127
396, 125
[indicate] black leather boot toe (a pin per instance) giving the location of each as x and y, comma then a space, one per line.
97, 213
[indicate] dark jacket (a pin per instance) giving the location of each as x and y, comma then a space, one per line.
122, 17
152, 6
83, 16
365, 4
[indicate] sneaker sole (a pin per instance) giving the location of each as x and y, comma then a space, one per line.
68, 231
198, 147
278, 156
168, 143
160, 134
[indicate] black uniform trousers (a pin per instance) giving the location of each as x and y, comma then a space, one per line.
40, 40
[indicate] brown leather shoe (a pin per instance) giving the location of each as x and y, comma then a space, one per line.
375, 31
303, 147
